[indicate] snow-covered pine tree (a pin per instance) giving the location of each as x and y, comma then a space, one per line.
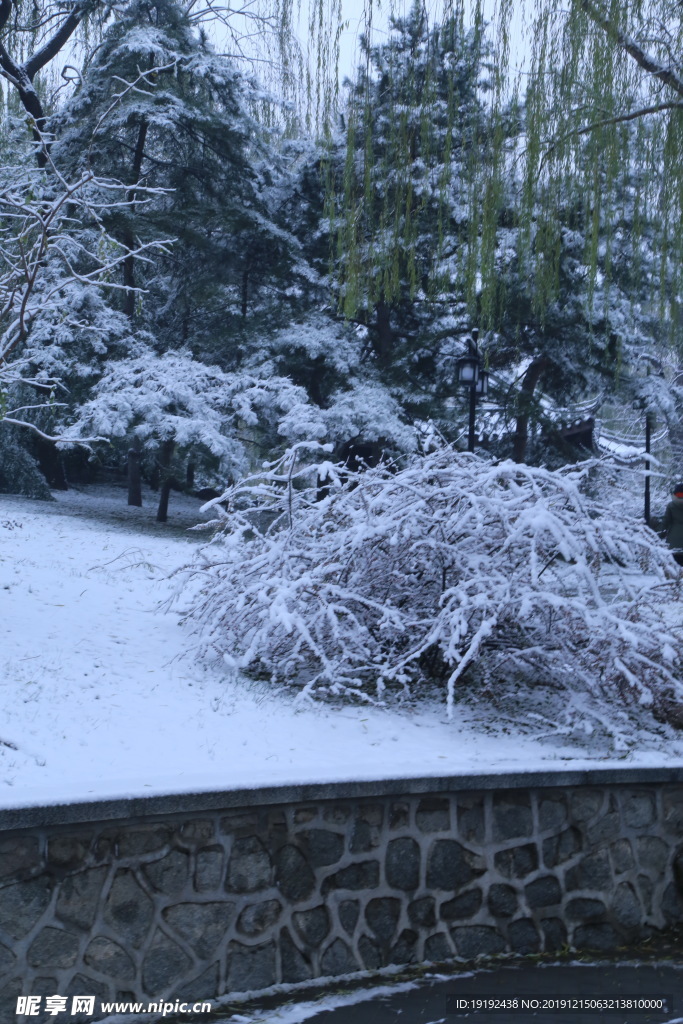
415, 128
189, 128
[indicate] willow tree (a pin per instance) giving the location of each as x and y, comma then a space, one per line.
604, 130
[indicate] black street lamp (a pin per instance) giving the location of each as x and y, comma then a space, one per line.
472, 375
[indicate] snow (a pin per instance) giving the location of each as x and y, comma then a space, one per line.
101, 697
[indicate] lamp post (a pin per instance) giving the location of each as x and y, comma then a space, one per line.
648, 448
472, 375
648, 441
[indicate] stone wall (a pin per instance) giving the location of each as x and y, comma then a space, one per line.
285, 886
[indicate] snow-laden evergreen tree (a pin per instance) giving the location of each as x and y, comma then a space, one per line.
187, 127
398, 199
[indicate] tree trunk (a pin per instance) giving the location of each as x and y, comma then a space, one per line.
134, 478
51, 465
169, 484
129, 240
161, 464
384, 337
521, 435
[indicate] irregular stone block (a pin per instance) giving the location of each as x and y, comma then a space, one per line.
552, 811
257, 918
646, 890
348, 915
128, 909
68, 852
626, 906
372, 813
592, 872
295, 966
477, 940
402, 865
554, 933
584, 804
170, 874
672, 904
595, 936
208, 873
53, 947
471, 823
560, 848
606, 829
22, 904
198, 832
20, 856
164, 963
653, 854
293, 876
11, 989
399, 815
543, 892
437, 948
502, 900
405, 949
382, 916
81, 984
511, 816
523, 936
672, 809
302, 815
313, 926
201, 925
251, 967
338, 959
239, 821
133, 842
622, 856
203, 986
79, 896
7, 960
249, 868
108, 957
517, 862
336, 814
370, 953
583, 909
638, 808
433, 814
363, 837
451, 866
321, 846
462, 907
364, 875
422, 912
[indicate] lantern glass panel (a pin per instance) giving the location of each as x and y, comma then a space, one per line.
467, 371
482, 385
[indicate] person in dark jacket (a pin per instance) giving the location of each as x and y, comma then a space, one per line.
673, 523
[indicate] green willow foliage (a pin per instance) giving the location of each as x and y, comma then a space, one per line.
603, 141
576, 124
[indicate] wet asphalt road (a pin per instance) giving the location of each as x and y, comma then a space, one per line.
434, 1002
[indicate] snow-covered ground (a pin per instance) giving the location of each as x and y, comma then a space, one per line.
100, 695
